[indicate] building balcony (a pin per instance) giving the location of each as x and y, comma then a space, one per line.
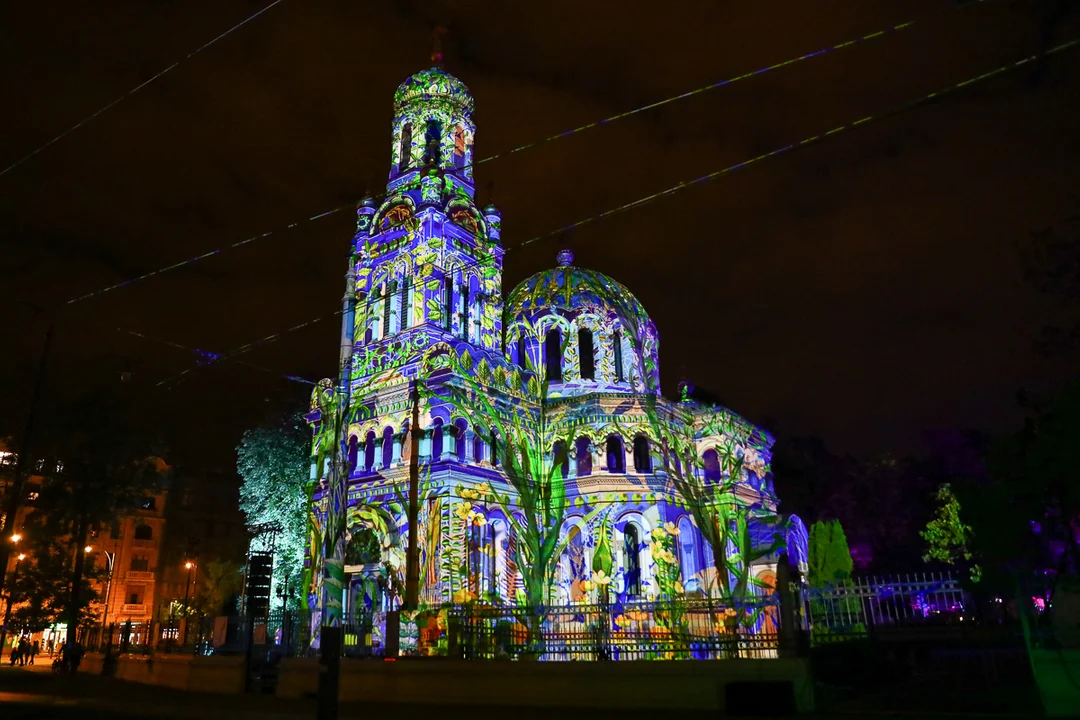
143, 543
133, 609
143, 575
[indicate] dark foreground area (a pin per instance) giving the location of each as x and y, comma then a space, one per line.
38, 693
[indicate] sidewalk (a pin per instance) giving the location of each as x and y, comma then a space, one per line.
31, 693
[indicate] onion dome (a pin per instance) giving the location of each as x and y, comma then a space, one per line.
433, 84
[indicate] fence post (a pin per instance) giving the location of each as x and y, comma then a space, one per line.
788, 642
108, 664
329, 672
393, 634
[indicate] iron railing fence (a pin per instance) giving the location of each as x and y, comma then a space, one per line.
685, 629
859, 606
681, 630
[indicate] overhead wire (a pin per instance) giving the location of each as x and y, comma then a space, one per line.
136, 89
806, 142
892, 29
210, 357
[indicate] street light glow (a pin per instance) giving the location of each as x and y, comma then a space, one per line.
188, 565
88, 548
16, 537
22, 556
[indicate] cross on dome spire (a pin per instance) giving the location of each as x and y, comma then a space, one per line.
436, 45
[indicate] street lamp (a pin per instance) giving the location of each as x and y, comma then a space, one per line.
10, 601
187, 612
16, 537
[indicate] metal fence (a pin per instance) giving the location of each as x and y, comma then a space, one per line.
859, 606
676, 630
684, 630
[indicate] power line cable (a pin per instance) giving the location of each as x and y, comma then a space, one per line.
210, 357
521, 148
136, 89
273, 337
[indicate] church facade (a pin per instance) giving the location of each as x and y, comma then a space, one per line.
546, 467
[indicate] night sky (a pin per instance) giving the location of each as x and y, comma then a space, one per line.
863, 290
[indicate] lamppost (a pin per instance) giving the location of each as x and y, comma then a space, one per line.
187, 587
110, 558
10, 600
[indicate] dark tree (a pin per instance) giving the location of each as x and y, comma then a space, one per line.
1051, 258
95, 463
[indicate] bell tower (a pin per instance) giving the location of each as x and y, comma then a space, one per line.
427, 260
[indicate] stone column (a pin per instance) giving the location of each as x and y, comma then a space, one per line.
397, 451
425, 446
469, 435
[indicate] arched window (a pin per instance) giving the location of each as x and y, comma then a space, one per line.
387, 447
476, 312
553, 355
688, 556
574, 566
363, 548
494, 447
616, 459
642, 458
436, 440
432, 141
405, 151
367, 336
520, 351
561, 459
584, 456
498, 529
388, 302
405, 303
459, 146
369, 452
354, 452
406, 444
463, 299
144, 532
616, 345
448, 301
712, 465
632, 553
461, 428
478, 445
586, 354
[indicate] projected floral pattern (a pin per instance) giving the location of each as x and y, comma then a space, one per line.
551, 470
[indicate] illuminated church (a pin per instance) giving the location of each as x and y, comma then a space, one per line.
425, 281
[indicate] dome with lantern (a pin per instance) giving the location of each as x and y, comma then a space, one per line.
433, 84
625, 338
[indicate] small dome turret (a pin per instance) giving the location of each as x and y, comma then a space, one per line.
433, 130
576, 301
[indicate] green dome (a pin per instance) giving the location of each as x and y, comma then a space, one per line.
433, 84
572, 288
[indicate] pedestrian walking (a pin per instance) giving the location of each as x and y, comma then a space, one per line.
14, 656
50, 646
35, 648
24, 651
